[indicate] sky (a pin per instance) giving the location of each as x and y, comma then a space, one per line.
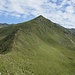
59, 11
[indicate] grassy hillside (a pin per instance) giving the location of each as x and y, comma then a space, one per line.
37, 47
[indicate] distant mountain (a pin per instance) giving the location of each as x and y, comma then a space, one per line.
3, 25
72, 30
37, 47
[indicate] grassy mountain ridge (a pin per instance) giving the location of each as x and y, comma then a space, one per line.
37, 47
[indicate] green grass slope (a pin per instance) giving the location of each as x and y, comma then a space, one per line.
37, 47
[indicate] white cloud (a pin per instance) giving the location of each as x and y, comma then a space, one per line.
70, 9
73, 1
54, 0
61, 14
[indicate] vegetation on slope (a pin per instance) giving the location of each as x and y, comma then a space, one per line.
37, 47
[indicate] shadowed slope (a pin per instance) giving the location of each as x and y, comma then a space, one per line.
6, 42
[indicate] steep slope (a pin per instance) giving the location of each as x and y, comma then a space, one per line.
37, 47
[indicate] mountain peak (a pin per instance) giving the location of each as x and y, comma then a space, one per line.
40, 16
